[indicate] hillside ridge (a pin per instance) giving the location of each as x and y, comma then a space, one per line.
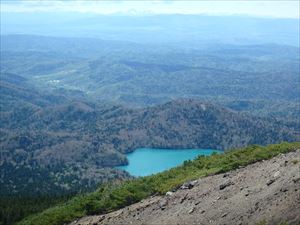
229, 198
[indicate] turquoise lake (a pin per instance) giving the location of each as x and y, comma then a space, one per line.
147, 161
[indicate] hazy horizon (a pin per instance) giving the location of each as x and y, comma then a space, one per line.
269, 9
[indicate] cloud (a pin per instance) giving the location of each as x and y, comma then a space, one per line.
256, 8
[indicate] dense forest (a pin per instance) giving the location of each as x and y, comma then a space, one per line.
67, 143
14, 208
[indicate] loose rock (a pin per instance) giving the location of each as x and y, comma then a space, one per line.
225, 214
183, 198
276, 174
163, 203
283, 189
191, 210
189, 185
169, 193
226, 184
270, 182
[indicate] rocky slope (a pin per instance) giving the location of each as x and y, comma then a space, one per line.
266, 192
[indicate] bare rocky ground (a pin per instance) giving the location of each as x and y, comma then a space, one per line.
266, 192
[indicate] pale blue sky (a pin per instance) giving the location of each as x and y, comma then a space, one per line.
277, 8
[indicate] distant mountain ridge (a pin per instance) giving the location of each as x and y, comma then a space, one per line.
171, 29
139, 75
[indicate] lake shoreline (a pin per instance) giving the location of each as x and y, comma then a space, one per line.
147, 161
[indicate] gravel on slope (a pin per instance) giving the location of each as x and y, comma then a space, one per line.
266, 192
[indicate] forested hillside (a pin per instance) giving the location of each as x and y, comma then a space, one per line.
68, 144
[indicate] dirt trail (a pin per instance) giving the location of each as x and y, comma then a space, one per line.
266, 191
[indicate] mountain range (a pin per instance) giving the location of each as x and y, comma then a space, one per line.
260, 79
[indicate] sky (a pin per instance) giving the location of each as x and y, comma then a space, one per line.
269, 8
